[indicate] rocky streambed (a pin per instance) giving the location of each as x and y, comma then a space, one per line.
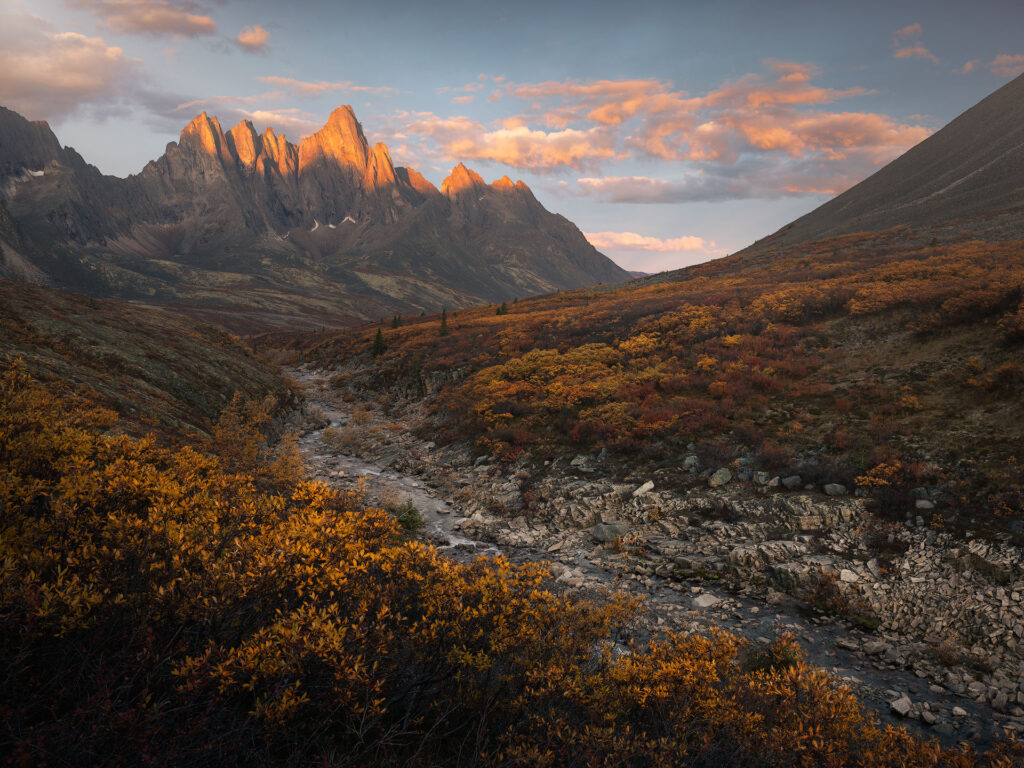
929, 628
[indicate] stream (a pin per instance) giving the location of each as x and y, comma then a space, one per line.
669, 605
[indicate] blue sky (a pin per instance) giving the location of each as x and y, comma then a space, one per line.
669, 132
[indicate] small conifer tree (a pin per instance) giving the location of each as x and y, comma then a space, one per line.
379, 347
443, 330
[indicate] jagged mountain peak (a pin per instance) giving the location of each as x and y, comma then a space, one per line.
461, 180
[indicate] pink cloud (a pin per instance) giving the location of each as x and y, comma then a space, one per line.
50, 75
911, 30
968, 67
915, 52
462, 99
322, 86
294, 121
150, 17
460, 138
1007, 65
253, 39
907, 43
631, 241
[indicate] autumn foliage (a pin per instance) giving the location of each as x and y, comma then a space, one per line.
172, 607
840, 354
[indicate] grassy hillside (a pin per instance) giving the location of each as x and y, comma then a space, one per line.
882, 357
153, 367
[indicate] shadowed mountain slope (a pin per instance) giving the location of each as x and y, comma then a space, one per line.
968, 176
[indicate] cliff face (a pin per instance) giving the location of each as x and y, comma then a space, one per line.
325, 231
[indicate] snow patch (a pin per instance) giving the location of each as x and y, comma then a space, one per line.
348, 218
333, 226
37, 174
316, 226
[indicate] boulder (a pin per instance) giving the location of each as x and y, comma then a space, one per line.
691, 463
835, 489
707, 600
720, 477
791, 482
762, 478
901, 706
610, 530
645, 488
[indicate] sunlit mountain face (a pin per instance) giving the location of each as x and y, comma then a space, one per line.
671, 135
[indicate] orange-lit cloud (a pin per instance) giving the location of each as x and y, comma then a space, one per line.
462, 99
1008, 65
907, 43
631, 241
460, 138
45, 74
968, 67
150, 17
320, 87
253, 39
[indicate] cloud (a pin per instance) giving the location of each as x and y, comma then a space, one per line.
462, 99
150, 17
49, 74
322, 86
253, 39
296, 122
967, 67
769, 134
631, 241
907, 43
915, 52
911, 30
519, 146
1007, 65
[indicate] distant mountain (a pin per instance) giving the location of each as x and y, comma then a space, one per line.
967, 176
255, 232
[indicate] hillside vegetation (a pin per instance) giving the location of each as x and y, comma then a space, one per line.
885, 357
194, 607
155, 368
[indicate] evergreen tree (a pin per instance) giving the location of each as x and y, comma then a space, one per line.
443, 330
396, 322
503, 309
379, 347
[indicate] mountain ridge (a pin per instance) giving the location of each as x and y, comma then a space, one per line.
254, 231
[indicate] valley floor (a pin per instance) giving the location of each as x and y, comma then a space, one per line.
755, 560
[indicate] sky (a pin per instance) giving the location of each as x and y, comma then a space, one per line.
669, 132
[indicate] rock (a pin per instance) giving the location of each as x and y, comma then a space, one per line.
645, 488
791, 482
707, 600
924, 504
835, 489
929, 717
874, 568
848, 644
959, 712
720, 477
762, 478
901, 706
876, 647
847, 576
610, 530
691, 463
774, 482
